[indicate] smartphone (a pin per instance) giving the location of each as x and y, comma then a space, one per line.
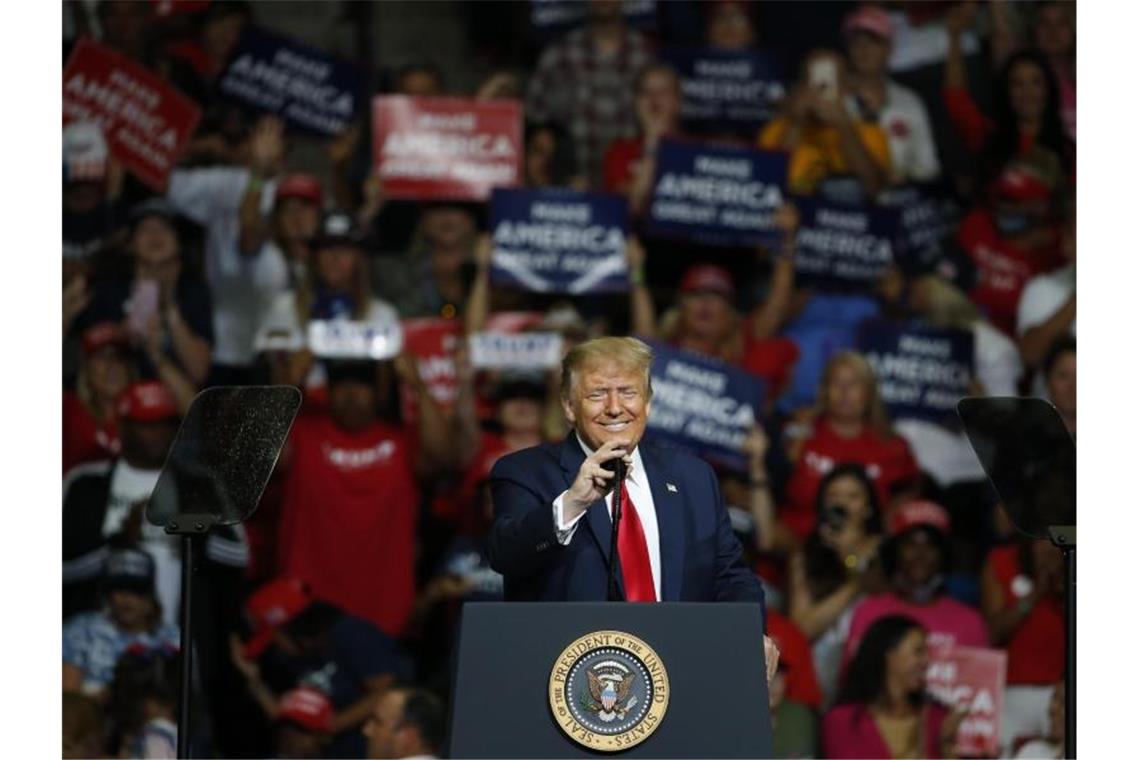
143, 305
823, 76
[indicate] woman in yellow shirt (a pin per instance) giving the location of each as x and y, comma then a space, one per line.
823, 137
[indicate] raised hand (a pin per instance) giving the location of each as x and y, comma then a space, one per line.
267, 146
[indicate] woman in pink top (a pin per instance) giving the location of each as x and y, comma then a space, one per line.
915, 560
883, 710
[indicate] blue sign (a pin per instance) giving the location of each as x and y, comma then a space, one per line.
922, 371
844, 246
729, 90
929, 215
304, 86
559, 241
552, 17
702, 405
717, 195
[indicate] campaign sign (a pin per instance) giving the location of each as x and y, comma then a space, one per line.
559, 241
432, 341
971, 679
702, 405
732, 90
306, 87
348, 339
552, 17
928, 216
843, 246
446, 148
923, 371
145, 121
716, 194
515, 351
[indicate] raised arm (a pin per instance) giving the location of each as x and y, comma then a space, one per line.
643, 316
769, 316
266, 152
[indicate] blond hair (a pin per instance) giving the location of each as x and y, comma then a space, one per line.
627, 353
876, 414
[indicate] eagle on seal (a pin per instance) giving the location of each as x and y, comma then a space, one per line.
607, 696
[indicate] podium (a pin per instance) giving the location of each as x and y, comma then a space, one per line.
577, 679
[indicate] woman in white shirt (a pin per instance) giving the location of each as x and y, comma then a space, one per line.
335, 288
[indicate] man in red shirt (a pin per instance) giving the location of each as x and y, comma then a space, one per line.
1011, 240
348, 524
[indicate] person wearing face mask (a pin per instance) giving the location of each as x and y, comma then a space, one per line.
884, 710
1012, 237
630, 163
915, 562
837, 566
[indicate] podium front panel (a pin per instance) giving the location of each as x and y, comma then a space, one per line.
713, 654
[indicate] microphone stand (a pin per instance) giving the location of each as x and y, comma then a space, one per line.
614, 595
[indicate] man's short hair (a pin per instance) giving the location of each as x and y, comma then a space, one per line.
424, 710
628, 353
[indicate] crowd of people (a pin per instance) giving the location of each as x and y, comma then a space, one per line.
325, 624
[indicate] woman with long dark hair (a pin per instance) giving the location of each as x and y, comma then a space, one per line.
1026, 112
836, 567
883, 710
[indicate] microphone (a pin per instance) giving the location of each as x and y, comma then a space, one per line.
616, 466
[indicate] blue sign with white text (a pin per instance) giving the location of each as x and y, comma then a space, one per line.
716, 194
922, 371
728, 90
306, 87
929, 215
559, 241
846, 247
703, 405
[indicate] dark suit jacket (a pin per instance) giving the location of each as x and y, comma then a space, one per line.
700, 555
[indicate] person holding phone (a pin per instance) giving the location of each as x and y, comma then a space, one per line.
837, 565
162, 300
824, 139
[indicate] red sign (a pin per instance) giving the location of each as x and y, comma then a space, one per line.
432, 342
972, 679
146, 122
446, 148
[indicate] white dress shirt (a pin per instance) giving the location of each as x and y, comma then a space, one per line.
637, 485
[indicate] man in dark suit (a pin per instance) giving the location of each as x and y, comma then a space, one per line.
552, 531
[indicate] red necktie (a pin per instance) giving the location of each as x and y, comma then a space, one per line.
634, 554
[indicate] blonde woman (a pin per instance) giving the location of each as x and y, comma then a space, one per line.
849, 425
336, 287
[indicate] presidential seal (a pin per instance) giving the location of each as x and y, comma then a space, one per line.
608, 691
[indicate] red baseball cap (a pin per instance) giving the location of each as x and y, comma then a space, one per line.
709, 278
272, 606
1020, 183
303, 186
307, 707
871, 19
104, 334
148, 401
919, 512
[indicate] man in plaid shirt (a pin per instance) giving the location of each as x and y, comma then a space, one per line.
585, 81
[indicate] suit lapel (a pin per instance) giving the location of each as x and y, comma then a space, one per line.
597, 518
669, 506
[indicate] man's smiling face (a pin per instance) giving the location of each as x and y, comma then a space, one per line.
608, 402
